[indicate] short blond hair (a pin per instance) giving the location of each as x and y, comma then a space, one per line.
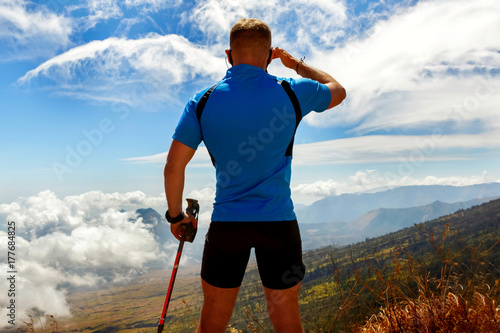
250, 33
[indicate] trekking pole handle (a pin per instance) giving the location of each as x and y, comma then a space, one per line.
193, 209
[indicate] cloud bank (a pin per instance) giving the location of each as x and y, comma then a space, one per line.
373, 181
78, 241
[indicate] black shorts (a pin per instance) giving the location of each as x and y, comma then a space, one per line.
278, 251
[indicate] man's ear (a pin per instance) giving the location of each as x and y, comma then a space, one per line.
270, 56
229, 57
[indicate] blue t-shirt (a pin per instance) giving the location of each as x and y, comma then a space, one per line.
247, 125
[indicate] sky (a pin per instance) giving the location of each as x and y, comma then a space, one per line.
91, 92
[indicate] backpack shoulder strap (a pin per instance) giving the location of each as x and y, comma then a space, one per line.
203, 100
199, 110
298, 112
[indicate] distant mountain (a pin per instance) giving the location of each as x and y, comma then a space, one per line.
384, 220
156, 223
377, 222
348, 207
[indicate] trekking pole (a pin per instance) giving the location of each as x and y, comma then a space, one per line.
189, 234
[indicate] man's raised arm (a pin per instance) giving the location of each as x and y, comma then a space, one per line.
307, 71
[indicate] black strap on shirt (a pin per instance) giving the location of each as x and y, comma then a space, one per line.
298, 113
293, 98
199, 110
202, 102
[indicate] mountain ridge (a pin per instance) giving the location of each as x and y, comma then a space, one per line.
347, 207
418, 214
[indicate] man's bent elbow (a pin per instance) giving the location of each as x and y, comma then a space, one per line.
338, 95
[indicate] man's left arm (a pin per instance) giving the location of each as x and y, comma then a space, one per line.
178, 157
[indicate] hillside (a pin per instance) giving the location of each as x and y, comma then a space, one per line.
463, 245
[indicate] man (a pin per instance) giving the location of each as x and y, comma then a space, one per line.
248, 121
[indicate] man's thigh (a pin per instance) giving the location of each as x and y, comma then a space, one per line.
225, 255
279, 255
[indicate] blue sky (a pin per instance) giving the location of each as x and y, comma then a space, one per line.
92, 90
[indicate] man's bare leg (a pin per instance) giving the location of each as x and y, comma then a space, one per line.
283, 308
217, 308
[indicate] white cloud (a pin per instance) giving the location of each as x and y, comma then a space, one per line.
373, 148
45, 212
37, 287
104, 10
374, 180
394, 148
320, 188
412, 68
98, 245
35, 32
152, 5
100, 10
41, 292
99, 201
83, 240
200, 159
130, 71
205, 197
311, 22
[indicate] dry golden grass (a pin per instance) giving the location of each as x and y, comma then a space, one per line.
42, 324
437, 314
